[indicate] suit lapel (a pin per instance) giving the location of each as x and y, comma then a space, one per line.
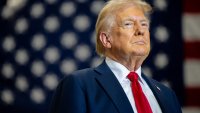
113, 88
158, 93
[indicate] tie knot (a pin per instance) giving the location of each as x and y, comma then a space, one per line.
133, 76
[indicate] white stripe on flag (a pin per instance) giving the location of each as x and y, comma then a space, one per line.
191, 25
191, 110
192, 73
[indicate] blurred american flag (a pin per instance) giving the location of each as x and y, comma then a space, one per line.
41, 41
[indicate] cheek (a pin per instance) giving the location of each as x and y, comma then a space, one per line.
120, 36
147, 37
129, 34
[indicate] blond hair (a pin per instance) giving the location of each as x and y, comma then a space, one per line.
106, 17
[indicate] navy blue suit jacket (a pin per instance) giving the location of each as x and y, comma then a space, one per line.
97, 90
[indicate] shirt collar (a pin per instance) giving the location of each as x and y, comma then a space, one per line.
119, 70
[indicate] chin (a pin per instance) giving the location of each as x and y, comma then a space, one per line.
141, 53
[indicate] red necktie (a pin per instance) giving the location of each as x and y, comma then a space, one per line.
141, 101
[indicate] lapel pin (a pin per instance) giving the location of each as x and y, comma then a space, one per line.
158, 88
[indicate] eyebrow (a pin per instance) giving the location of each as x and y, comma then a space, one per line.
133, 19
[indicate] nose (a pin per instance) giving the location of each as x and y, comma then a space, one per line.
139, 32
138, 29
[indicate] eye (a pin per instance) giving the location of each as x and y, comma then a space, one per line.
145, 24
128, 24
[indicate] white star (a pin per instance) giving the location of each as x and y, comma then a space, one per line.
37, 95
21, 56
51, 24
82, 52
8, 70
7, 96
69, 40
161, 60
50, 81
160, 4
38, 42
38, 68
9, 44
161, 34
67, 66
67, 9
37, 10
52, 55
21, 83
81, 23
96, 6
21, 25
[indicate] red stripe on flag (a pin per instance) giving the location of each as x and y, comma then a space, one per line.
192, 50
191, 6
192, 96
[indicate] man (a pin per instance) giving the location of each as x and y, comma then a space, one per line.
117, 85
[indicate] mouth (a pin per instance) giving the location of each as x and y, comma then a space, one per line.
140, 42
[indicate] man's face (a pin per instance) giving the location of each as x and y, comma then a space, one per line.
130, 34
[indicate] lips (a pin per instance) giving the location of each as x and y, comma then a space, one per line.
140, 42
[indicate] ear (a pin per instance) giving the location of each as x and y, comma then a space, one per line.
105, 40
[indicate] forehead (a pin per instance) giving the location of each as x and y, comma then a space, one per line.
132, 12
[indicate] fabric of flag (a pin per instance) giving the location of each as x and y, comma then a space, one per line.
191, 36
41, 41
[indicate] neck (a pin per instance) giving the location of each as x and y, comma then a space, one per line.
132, 64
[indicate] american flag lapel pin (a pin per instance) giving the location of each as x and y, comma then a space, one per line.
158, 88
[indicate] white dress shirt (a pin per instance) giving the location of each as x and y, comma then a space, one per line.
121, 72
